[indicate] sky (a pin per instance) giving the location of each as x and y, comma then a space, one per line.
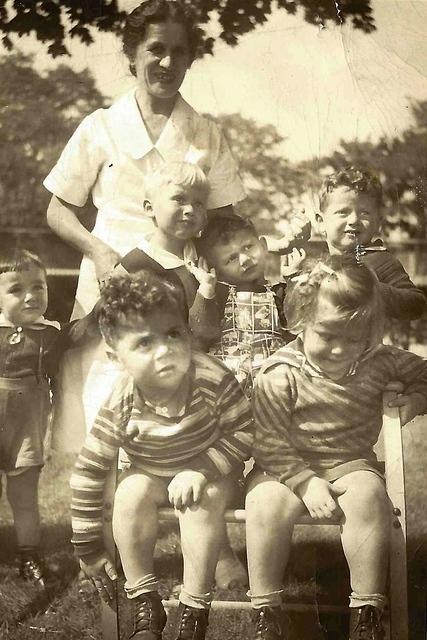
315, 85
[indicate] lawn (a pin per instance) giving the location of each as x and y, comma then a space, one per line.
317, 572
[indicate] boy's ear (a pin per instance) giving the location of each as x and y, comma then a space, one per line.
112, 356
263, 241
319, 221
148, 208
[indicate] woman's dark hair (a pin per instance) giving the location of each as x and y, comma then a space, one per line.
154, 12
17, 260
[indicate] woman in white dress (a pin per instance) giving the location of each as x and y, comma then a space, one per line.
108, 159
112, 151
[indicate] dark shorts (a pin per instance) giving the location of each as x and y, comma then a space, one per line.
24, 415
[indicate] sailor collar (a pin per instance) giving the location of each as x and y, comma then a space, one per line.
166, 259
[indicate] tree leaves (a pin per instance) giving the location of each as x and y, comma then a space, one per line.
38, 114
53, 20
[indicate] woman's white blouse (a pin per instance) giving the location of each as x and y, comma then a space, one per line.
108, 157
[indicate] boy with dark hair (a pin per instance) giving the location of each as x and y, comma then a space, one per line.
251, 308
185, 427
350, 217
29, 350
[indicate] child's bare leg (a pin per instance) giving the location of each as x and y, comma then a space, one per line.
229, 572
202, 534
365, 533
22, 494
271, 512
135, 523
135, 526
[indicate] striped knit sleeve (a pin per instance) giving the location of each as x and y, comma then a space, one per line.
273, 400
97, 457
235, 427
401, 297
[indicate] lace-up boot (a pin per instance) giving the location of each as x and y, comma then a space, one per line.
149, 617
365, 623
269, 623
192, 623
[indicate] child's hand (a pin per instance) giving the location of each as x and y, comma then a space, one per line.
319, 496
294, 260
186, 489
102, 574
205, 277
410, 405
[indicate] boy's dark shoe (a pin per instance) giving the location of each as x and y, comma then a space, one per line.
31, 567
270, 623
192, 623
149, 617
365, 623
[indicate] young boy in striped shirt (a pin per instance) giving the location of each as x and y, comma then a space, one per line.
185, 428
318, 410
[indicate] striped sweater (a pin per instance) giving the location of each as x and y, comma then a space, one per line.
306, 423
214, 436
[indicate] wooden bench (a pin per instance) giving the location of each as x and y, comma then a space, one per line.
396, 622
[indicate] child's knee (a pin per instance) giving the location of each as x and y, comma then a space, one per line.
216, 497
269, 499
136, 492
367, 497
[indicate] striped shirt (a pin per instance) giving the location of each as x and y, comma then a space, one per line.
307, 423
214, 436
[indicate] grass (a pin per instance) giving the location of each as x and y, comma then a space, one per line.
316, 572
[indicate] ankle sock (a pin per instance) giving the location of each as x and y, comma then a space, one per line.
272, 599
377, 600
145, 584
196, 600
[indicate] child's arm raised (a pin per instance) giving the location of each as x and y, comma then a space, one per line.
204, 318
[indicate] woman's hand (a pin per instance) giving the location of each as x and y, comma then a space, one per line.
104, 259
319, 496
186, 489
102, 574
205, 277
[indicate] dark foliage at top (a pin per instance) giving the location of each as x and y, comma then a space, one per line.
54, 20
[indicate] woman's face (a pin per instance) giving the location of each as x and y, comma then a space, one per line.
162, 59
